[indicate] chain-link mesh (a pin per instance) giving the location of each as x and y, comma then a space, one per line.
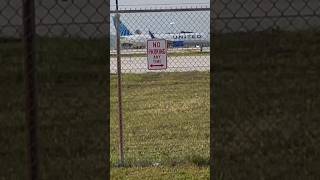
72, 76
11, 19
166, 112
70, 60
83, 19
266, 78
187, 33
245, 15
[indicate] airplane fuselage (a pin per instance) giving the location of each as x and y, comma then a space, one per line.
182, 39
174, 39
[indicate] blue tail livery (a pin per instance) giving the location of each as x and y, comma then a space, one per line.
124, 31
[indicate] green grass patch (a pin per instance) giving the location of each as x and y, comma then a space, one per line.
166, 121
161, 173
162, 134
72, 120
267, 101
268, 82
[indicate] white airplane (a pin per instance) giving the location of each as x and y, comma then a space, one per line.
182, 39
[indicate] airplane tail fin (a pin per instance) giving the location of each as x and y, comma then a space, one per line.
151, 35
124, 31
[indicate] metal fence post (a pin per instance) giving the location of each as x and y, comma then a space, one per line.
121, 125
30, 84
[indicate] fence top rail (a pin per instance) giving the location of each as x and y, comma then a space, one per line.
159, 10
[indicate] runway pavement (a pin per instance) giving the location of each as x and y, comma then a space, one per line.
175, 64
170, 50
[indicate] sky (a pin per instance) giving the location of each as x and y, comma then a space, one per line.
163, 22
154, 3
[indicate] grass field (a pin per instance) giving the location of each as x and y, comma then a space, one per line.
267, 94
166, 123
161, 173
267, 101
72, 115
171, 130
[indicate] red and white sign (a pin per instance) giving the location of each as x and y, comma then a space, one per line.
157, 54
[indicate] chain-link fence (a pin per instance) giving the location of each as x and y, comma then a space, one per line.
64, 45
57, 18
271, 72
244, 15
165, 112
186, 30
264, 93
11, 19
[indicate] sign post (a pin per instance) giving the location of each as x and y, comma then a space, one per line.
121, 123
157, 54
